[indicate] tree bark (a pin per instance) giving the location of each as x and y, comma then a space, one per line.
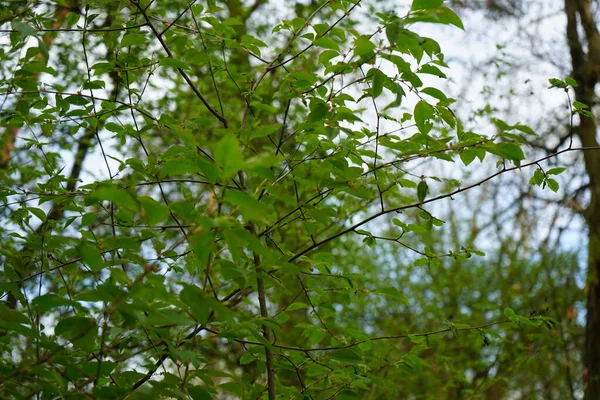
585, 61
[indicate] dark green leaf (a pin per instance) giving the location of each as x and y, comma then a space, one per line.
199, 393
422, 190
193, 298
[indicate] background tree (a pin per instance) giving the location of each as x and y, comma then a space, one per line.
538, 46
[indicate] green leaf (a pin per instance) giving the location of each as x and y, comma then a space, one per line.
431, 70
439, 15
120, 197
23, 29
172, 62
49, 301
228, 156
557, 83
394, 29
555, 171
509, 313
264, 131
422, 190
537, 178
363, 47
423, 112
132, 39
571, 82
247, 358
346, 355
512, 151
425, 4
421, 261
193, 298
296, 306
378, 79
327, 43
552, 184
250, 208
38, 212
96, 84
525, 129
80, 331
155, 211
199, 393
467, 156
447, 16
91, 256
318, 110
433, 92
393, 293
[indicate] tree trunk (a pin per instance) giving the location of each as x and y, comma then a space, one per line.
585, 61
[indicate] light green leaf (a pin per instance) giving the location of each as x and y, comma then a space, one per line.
250, 208
423, 112
555, 171
431, 70
296, 306
264, 130
433, 92
172, 62
131, 39
394, 29
552, 184
557, 83
537, 178
467, 156
228, 156
512, 151
363, 47
440, 15
327, 43
509, 313
425, 4
120, 197
393, 293
571, 82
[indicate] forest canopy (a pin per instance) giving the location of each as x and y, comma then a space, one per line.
254, 199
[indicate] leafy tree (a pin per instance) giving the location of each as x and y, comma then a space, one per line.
569, 50
250, 208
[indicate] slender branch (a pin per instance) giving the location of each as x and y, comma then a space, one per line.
433, 199
183, 74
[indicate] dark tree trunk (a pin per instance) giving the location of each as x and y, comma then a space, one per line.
585, 61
